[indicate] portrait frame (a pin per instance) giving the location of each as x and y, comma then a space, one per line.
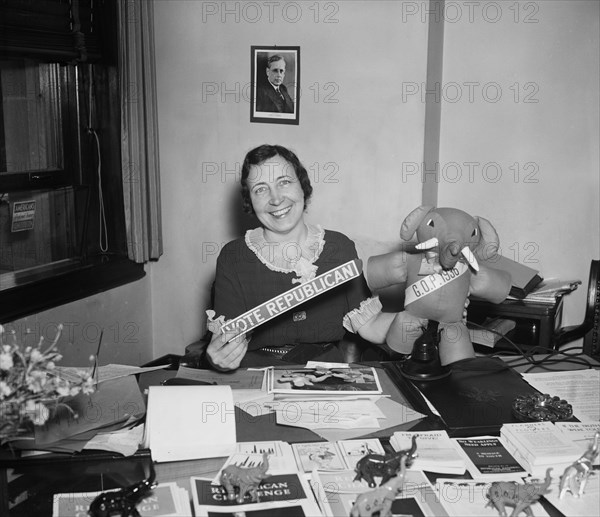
263, 106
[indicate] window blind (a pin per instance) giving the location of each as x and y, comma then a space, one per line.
52, 30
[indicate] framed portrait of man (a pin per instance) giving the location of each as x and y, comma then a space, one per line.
275, 80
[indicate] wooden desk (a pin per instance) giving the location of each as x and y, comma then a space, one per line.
28, 486
535, 322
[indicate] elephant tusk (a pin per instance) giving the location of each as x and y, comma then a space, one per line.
430, 243
468, 254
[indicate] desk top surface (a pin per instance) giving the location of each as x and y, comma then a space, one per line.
39, 478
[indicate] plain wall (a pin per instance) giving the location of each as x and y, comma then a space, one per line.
520, 131
121, 313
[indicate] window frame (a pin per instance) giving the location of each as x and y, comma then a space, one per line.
94, 271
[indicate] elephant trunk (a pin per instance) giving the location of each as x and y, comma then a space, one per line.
452, 252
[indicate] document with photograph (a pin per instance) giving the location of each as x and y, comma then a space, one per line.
325, 381
318, 455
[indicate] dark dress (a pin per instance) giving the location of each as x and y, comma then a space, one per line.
243, 281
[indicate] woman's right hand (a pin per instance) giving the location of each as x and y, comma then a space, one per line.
225, 355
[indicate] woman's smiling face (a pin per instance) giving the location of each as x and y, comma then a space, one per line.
276, 194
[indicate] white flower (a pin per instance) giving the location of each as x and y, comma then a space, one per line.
36, 381
5, 390
36, 356
88, 386
30, 391
305, 270
6, 360
63, 389
37, 412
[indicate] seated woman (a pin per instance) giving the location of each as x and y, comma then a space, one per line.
276, 256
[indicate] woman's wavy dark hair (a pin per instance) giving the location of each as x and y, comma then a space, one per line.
262, 153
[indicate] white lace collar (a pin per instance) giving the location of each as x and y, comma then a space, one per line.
294, 258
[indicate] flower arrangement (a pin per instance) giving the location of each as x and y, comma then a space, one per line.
30, 387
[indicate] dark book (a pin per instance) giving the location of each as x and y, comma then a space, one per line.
489, 457
523, 278
474, 400
522, 292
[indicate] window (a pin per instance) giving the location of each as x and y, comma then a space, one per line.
62, 226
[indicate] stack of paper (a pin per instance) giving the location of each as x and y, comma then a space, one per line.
581, 434
538, 446
490, 331
435, 449
190, 422
550, 289
116, 404
580, 388
166, 500
329, 414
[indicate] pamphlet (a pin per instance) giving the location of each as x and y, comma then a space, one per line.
468, 498
436, 452
487, 458
284, 494
340, 455
337, 492
250, 454
166, 500
581, 434
538, 446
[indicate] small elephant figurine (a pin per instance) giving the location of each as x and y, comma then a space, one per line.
379, 501
123, 502
575, 476
241, 481
449, 264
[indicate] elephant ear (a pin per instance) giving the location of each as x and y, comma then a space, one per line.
489, 243
413, 220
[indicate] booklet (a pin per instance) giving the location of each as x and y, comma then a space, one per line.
284, 494
436, 452
340, 381
166, 500
250, 454
340, 455
540, 443
487, 458
337, 492
581, 434
468, 498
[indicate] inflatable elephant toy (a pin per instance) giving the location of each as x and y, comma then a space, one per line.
449, 264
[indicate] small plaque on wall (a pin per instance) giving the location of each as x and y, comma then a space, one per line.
23, 216
275, 80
